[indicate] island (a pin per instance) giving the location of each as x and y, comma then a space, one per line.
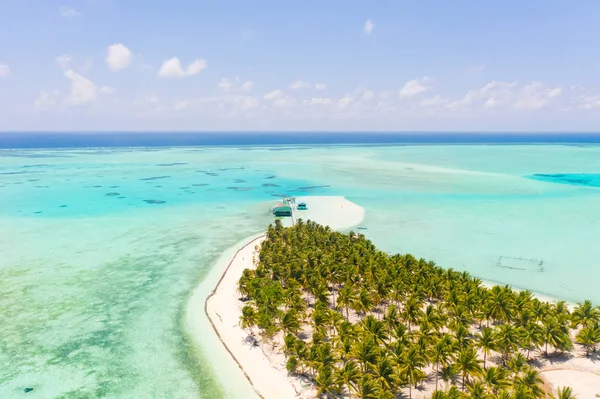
309, 312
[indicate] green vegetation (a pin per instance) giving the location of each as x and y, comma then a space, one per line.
360, 323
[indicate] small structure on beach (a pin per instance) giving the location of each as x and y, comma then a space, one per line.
302, 206
281, 210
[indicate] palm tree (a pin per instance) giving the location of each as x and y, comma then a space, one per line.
467, 364
374, 329
367, 388
486, 341
326, 382
564, 393
365, 352
552, 333
440, 354
410, 368
477, 391
517, 363
508, 338
408, 314
411, 311
532, 336
585, 313
290, 322
495, 379
248, 317
345, 298
384, 373
589, 337
349, 375
531, 383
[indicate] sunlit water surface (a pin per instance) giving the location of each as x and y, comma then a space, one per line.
100, 248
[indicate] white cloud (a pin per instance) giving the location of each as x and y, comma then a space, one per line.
492, 95
68, 12
344, 101
588, 102
368, 95
299, 84
46, 100
247, 86
320, 86
106, 90
319, 101
434, 101
284, 102
536, 96
181, 105
4, 70
171, 68
118, 57
416, 86
63, 61
249, 103
82, 91
368, 27
225, 84
273, 95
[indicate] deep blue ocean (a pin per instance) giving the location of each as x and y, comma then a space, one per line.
166, 139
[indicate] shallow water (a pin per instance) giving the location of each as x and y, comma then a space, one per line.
100, 248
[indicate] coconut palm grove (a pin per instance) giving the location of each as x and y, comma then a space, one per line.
360, 323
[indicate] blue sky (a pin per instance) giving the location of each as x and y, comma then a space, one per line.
280, 65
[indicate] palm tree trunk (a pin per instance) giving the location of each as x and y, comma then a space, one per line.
484, 358
437, 372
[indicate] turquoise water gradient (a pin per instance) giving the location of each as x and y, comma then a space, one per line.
100, 248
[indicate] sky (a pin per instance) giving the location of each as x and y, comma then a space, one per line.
184, 65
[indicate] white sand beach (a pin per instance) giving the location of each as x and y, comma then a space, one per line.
263, 367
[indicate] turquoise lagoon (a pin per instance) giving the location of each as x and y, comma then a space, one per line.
101, 248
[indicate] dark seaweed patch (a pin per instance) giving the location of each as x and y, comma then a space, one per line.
97, 186
312, 187
207, 173
172, 164
112, 194
235, 188
184, 188
38, 165
62, 206
270, 177
225, 169
200, 184
155, 178
154, 201
14, 173
270, 185
114, 187
38, 212
32, 180
239, 181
